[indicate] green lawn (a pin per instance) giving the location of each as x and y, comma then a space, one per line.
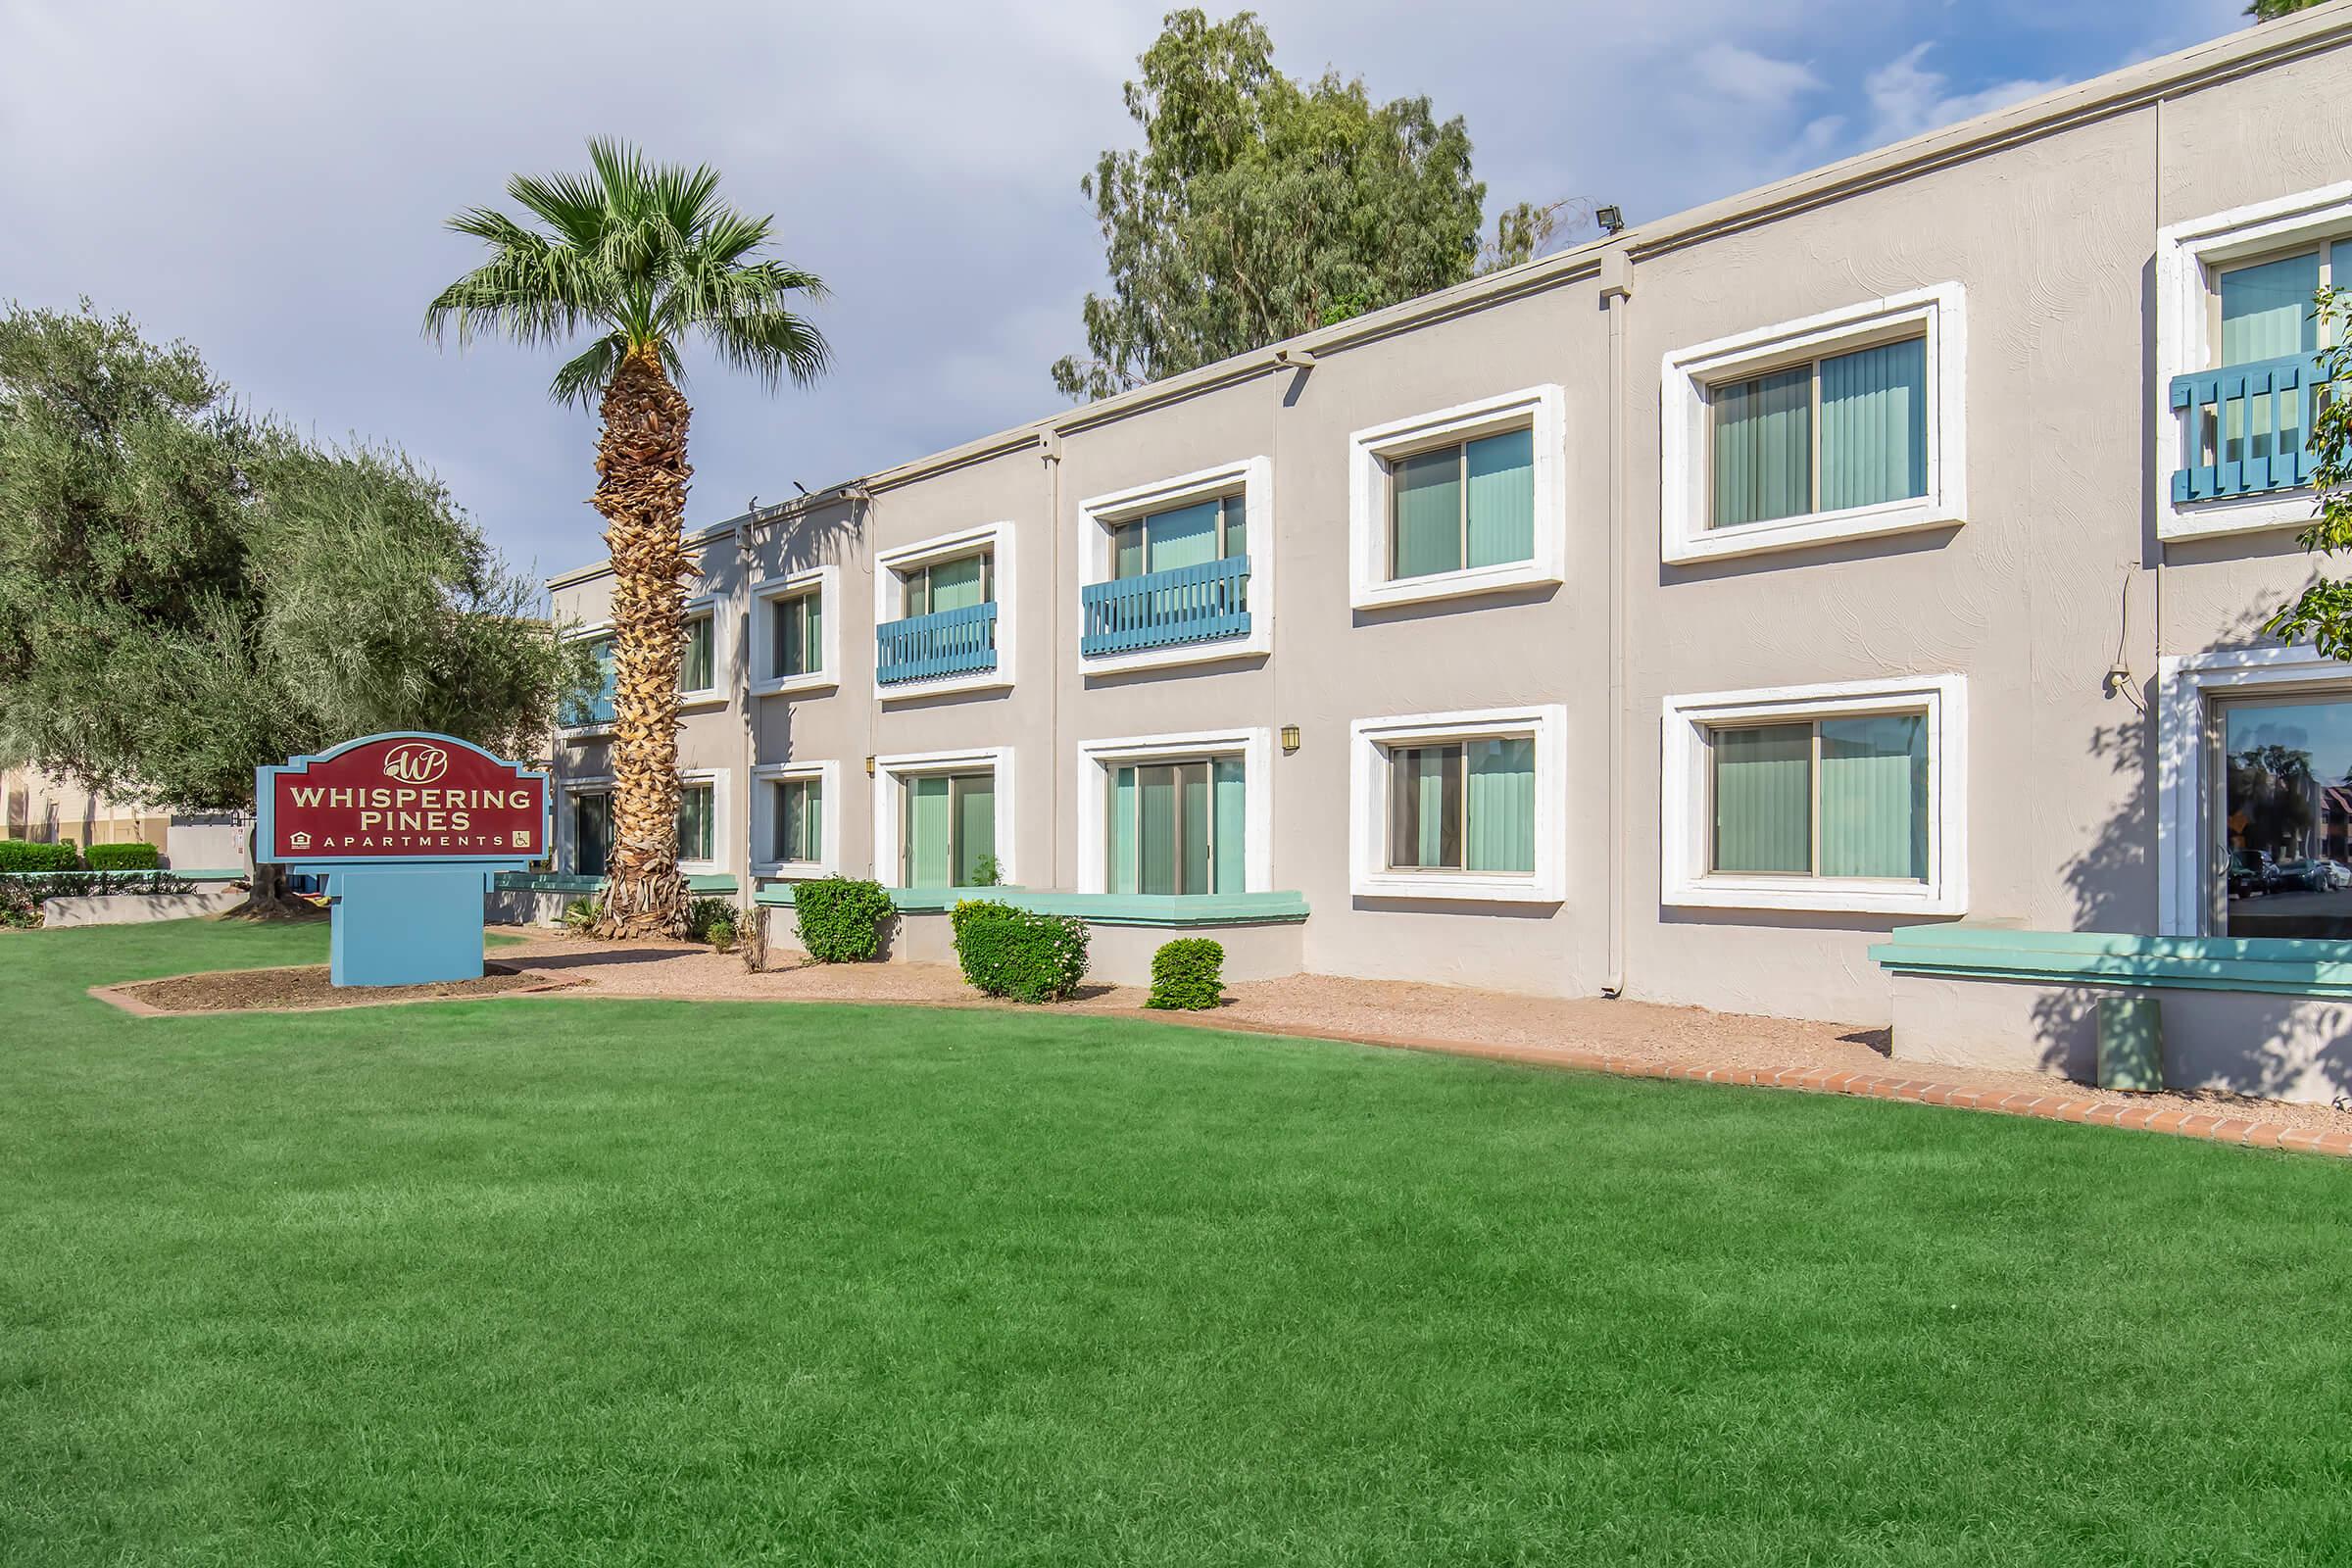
568, 1282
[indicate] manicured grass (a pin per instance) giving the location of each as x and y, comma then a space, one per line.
570, 1282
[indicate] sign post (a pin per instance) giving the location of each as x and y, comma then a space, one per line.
408, 830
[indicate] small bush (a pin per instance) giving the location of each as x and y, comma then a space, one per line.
21, 854
22, 897
988, 872
710, 920
1188, 974
581, 914
135, 856
841, 919
1011, 952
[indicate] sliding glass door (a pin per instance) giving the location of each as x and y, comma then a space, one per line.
950, 828
1177, 827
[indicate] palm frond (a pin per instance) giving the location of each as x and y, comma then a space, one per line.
584, 378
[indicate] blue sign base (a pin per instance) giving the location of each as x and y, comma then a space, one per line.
406, 925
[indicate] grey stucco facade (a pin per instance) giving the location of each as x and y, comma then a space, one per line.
2044, 581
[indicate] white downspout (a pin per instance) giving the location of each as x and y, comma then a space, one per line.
1616, 294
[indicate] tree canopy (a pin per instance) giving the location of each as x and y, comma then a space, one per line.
188, 591
1259, 207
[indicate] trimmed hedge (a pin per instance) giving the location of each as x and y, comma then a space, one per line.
22, 897
841, 919
134, 856
1188, 974
1013, 953
23, 854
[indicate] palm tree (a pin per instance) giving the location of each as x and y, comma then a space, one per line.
643, 255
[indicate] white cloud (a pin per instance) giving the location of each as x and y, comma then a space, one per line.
1752, 77
1906, 98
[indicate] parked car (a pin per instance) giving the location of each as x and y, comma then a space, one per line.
2301, 876
2252, 872
2337, 875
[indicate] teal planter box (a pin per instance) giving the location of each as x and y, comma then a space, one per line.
2131, 1045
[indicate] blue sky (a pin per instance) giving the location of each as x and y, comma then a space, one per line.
267, 180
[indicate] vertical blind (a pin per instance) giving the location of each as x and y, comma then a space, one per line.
799, 820
1871, 445
695, 822
975, 826
1470, 805
957, 584
1472, 504
929, 833
799, 632
2267, 313
1177, 827
696, 671
1862, 812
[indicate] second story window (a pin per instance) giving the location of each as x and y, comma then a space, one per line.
1468, 504
1826, 435
2264, 327
697, 664
961, 583
1166, 574
796, 643
1182, 536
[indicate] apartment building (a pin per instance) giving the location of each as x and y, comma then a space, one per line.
1682, 616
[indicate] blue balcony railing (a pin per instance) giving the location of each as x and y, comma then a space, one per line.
1163, 609
2248, 427
951, 642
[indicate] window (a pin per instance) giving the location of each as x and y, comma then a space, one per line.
1177, 826
1849, 430
1198, 527
797, 639
1471, 504
799, 822
1841, 797
1469, 806
1837, 797
944, 615
597, 709
698, 821
591, 833
956, 583
1846, 425
950, 829
795, 628
1217, 529
698, 665
1464, 501
1466, 806
2236, 344
2287, 820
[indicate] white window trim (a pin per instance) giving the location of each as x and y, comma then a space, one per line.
826, 580
721, 822
574, 733
2186, 255
827, 776
1096, 759
722, 649
1684, 818
1685, 494
1369, 740
1098, 515
2186, 792
1540, 410
996, 537
892, 772
568, 846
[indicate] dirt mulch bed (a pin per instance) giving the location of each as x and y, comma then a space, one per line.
308, 986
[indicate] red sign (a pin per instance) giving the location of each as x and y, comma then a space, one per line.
402, 797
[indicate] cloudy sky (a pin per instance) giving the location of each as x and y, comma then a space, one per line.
267, 180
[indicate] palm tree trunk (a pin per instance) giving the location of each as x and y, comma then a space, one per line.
640, 490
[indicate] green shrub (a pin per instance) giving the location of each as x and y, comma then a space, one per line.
1011, 952
135, 856
710, 920
20, 854
22, 897
1188, 974
841, 919
988, 872
581, 914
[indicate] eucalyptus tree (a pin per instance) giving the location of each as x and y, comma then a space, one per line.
638, 256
